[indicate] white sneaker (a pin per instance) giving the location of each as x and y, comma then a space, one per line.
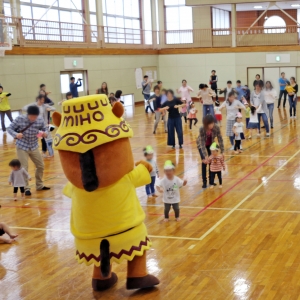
232, 148
268, 134
241, 147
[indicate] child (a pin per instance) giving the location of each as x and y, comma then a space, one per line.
150, 188
49, 141
5, 229
217, 164
68, 97
253, 122
248, 112
163, 96
183, 110
170, 186
17, 177
238, 130
218, 113
192, 115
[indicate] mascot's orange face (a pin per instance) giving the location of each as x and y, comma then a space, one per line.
100, 166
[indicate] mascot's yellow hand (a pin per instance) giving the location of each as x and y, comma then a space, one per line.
147, 165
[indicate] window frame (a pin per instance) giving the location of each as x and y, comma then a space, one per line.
217, 31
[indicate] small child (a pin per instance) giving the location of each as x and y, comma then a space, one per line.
218, 113
183, 110
49, 141
170, 186
248, 111
5, 229
192, 115
69, 96
217, 164
253, 123
150, 188
17, 177
238, 130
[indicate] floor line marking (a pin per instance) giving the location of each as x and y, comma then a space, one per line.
244, 200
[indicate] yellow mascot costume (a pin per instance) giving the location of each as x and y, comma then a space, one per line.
107, 220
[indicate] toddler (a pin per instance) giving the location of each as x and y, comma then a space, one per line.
217, 164
5, 229
192, 115
248, 112
253, 123
238, 130
183, 110
170, 186
49, 141
218, 113
17, 178
150, 188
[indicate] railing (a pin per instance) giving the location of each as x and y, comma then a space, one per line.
29, 32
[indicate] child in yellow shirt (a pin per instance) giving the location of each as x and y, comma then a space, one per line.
4, 108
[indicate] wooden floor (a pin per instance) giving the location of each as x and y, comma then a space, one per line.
241, 242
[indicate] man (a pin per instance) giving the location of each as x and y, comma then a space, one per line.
74, 86
4, 108
241, 90
25, 129
159, 84
227, 90
258, 80
213, 83
43, 89
146, 86
282, 82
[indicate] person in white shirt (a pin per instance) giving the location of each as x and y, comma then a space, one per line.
270, 97
253, 122
206, 95
238, 130
170, 186
185, 91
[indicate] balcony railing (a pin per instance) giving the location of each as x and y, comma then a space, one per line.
41, 33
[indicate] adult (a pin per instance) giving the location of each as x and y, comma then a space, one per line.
118, 96
185, 91
213, 81
232, 106
68, 97
258, 80
103, 89
44, 109
25, 129
146, 86
270, 97
282, 83
208, 133
4, 108
43, 90
206, 98
174, 121
227, 90
257, 99
160, 84
74, 86
293, 99
240, 90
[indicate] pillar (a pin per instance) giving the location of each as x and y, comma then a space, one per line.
155, 37
161, 21
99, 16
233, 25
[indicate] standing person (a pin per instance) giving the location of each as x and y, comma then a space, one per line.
270, 97
206, 98
103, 89
68, 97
25, 129
227, 90
164, 97
238, 130
183, 110
293, 99
240, 90
43, 90
232, 106
4, 108
258, 81
174, 120
44, 110
253, 123
185, 91
213, 81
48, 101
74, 86
247, 114
118, 96
218, 113
160, 84
207, 135
192, 116
282, 83
146, 86
257, 99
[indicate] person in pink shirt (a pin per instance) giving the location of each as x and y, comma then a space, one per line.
185, 91
183, 110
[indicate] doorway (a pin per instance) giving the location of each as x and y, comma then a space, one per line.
65, 82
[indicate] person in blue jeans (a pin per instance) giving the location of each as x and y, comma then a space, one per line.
293, 99
150, 188
206, 95
282, 83
146, 86
174, 122
270, 97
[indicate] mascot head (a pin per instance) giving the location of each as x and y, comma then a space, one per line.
93, 142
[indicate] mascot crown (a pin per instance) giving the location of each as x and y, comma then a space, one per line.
88, 122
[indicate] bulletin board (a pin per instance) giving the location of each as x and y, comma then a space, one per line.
151, 72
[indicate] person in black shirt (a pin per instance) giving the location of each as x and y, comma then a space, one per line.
174, 121
213, 83
258, 80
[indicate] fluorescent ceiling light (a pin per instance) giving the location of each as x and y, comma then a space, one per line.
259, 6
295, 5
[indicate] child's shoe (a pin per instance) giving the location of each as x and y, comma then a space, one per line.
154, 196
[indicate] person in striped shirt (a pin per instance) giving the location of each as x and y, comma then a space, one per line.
217, 164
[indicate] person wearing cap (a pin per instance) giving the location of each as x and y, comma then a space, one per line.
213, 81
170, 186
4, 108
216, 165
74, 86
150, 188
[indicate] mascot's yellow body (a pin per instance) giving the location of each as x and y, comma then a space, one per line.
107, 220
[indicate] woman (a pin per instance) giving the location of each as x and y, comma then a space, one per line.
208, 133
185, 90
156, 99
4, 108
232, 106
257, 99
227, 90
258, 81
270, 97
118, 96
174, 122
103, 89
206, 95
293, 98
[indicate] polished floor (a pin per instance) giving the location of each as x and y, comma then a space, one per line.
240, 242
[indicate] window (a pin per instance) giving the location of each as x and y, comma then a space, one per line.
7, 8
274, 24
93, 20
147, 22
179, 22
122, 21
221, 20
